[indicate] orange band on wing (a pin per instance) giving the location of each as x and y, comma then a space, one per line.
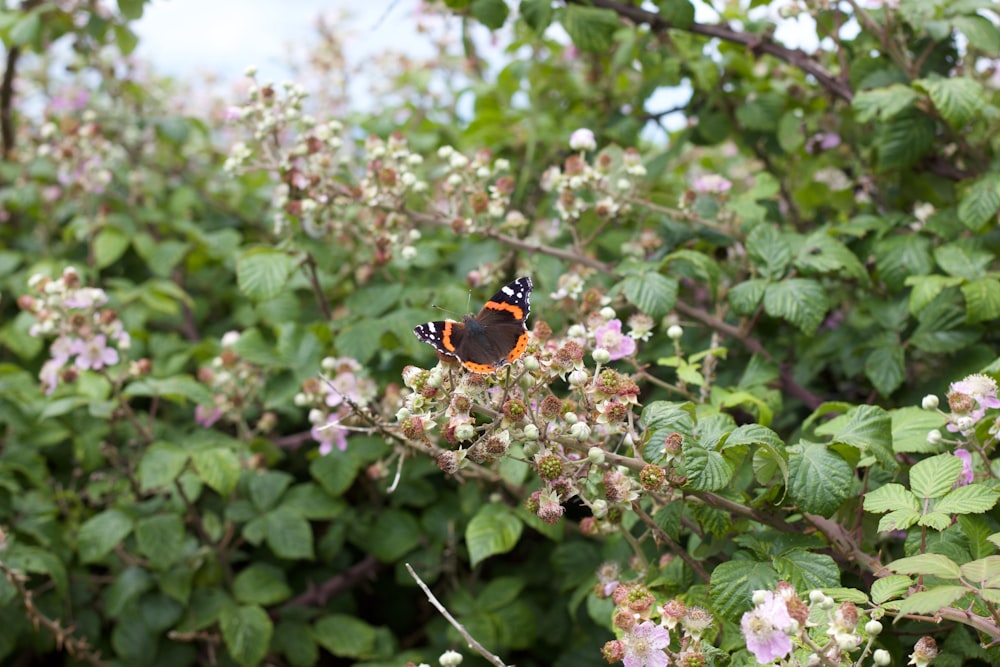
446, 337
516, 311
519, 348
482, 369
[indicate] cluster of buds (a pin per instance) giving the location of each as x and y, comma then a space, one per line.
334, 401
478, 191
85, 158
234, 383
651, 634
88, 336
604, 186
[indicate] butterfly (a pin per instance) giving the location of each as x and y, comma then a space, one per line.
486, 342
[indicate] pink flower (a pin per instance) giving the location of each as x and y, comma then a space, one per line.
582, 140
62, 348
49, 375
330, 434
711, 183
94, 353
967, 475
644, 645
764, 629
206, 415
610, 337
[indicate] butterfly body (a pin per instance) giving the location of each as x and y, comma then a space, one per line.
489, 340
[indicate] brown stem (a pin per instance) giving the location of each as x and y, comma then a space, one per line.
318, 596
7, 102
661, 535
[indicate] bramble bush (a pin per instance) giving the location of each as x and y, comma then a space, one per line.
757, 414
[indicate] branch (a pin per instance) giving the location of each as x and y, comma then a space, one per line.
318, 596
661, 535
473, 644
6, 103
756, 43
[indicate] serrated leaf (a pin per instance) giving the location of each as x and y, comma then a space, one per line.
101, 533
395, 534
26, 30
336, 471
261, 583
959, 259
288, 534
890, 497
294, 640
262, 272
931, 601
177, 388
807, 570
590, 28
980, 32
934, 477
957, 98
937, 520
977, 532
927, 288
903, 141
109, 245
160, 537
870, 431
885, 367
927, 564
491, 13
820, 480
822, 253
970, 499
888, 588
267, 487
247, 632
769, 251
493, 530
218, 467
345, 636
536, 13
800, 301
900, 257
160, 465
131, 9
745, 297
982, 570
883, 103
898, 520
733, 583
706, 470
982, 299
652, 293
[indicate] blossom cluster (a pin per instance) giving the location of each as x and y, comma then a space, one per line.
85, 158
234, 383
334, 400
88, 336
603, 187
968, 402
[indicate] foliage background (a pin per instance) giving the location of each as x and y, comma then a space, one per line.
846, 270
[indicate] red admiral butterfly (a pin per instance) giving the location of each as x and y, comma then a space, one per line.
488, 341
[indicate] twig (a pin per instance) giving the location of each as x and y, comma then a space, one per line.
661, 536
318, 596
473, 644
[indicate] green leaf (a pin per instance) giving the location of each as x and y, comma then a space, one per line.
345, 636
591, 29
980, 32
769, 251
970, 499
160, 465
898, 520
934, 477
886, 368
262, 584
706, 470
294, 640
820, 479
26, 31
218, 467
889, 588
109, 245
977, 534
312, 502
823, 253
927, 288
904, 141
931, 601
927, 565
761, 112
900, 257
536, 13
883, 103
263, 272
807, 570
101, 533
939, 521
801, 301
733, 583
960, 259
870, 431
289, 534
958, 99
160, 537
19, 556
980, 202
247, 632
890, 497
128, 586
125, 39
395, 534
652, 293
336, 471
267, 487
177, 388
493, 530
491, 13
131, 9
745, 297
982, 571
982, 299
